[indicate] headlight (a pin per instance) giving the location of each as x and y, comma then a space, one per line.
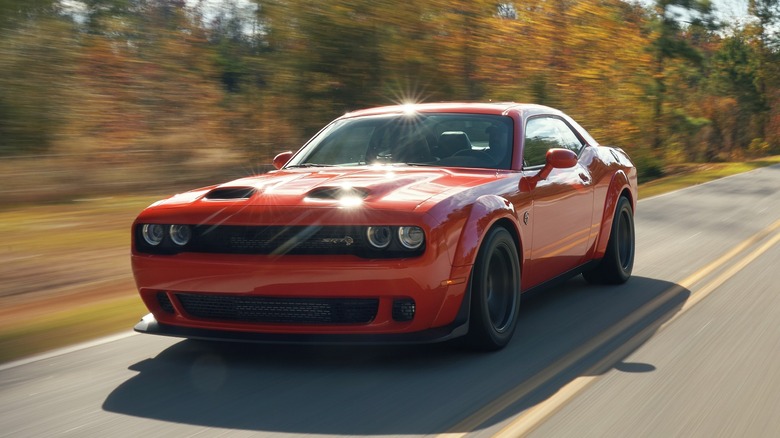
180, 234
153, 233
411, 237
379, 237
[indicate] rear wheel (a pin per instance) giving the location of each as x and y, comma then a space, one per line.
618, 261
495, 292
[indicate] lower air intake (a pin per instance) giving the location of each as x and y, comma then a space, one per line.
280, 310
165, 302
403, 309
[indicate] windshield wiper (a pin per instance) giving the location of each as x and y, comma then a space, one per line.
416, 164
308, 165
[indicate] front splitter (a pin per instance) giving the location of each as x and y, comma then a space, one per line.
150, 325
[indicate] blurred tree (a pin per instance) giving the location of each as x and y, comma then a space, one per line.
327, 56
596, 68
670, 42
13, 12
37, 52
148, 82
238, 78
767, 14
736, 75
463, 31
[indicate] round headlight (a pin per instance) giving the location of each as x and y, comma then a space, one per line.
153, 233
411, 237
180, 234
379, 237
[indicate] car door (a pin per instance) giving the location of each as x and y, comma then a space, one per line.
562, 203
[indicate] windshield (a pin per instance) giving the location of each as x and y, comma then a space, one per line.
453, 140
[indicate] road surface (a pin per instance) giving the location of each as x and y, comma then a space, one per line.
690, 346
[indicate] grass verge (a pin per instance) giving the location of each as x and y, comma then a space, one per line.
693, 174
69, 327
61, 327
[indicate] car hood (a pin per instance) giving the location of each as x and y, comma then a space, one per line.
379, 187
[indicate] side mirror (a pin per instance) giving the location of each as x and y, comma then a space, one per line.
555, 159
561, 159
282, 159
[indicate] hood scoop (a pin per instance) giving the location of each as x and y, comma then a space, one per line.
336, 193
227, 193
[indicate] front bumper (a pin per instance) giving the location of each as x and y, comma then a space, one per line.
436, 288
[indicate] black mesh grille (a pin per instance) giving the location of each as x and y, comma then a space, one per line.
289, 240
403, 310
165, 302
278, 240
280, 310
283, 239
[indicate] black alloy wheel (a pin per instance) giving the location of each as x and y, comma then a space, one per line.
495, 291
618, 261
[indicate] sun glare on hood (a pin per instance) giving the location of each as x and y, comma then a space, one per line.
350, 201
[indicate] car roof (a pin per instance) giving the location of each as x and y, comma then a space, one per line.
455, 107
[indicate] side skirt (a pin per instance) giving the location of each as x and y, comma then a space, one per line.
557, 281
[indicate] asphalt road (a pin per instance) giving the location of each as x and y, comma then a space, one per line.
690, 346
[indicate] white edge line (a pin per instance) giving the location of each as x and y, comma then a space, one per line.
66, 350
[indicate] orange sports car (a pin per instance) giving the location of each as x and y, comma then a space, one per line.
409, 223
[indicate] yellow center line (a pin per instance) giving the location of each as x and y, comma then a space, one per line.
533, 416
707, 270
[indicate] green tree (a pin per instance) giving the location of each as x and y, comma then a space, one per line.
736, 74
767, 14
670, 42
37, 53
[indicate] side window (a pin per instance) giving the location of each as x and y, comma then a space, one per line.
568, 139
544, 133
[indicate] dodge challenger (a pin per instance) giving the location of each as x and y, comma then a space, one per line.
400, 224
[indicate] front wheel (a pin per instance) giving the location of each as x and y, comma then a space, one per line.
495, 292
618, 261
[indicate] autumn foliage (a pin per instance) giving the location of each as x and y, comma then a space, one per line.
100, 95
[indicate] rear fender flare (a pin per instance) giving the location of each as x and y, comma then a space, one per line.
617, 187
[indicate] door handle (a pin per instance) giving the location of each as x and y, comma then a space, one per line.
584, 177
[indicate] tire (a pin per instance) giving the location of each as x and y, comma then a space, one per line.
495, 292
618, 261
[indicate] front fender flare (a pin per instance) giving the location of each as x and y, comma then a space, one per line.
485, 212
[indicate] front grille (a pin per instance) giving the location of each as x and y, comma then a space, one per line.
280, 240
280, 310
